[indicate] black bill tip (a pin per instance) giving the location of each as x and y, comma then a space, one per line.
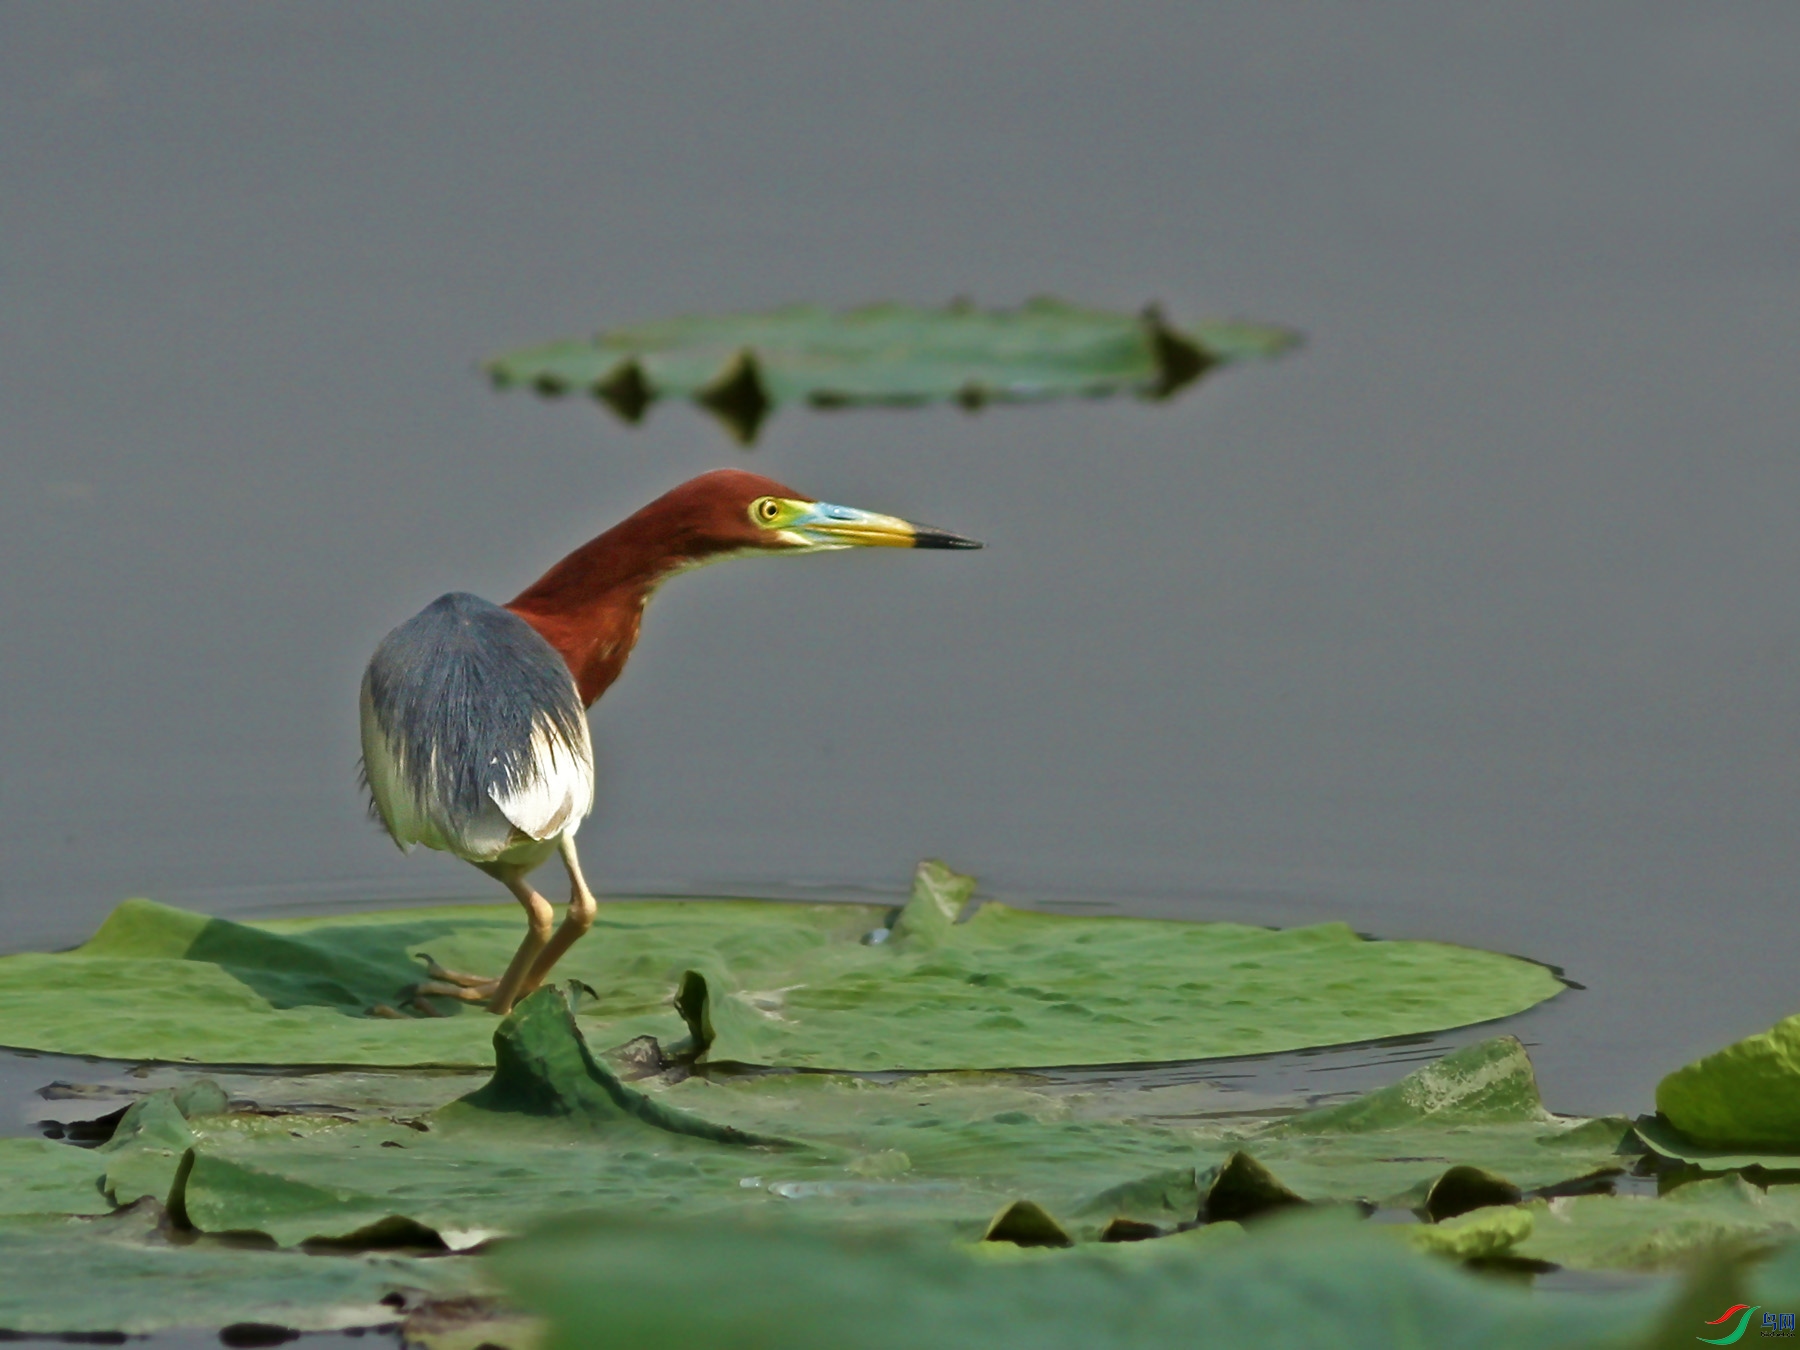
924, 537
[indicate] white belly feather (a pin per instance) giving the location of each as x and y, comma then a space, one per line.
427, 701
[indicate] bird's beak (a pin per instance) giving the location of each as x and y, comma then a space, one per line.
827, 526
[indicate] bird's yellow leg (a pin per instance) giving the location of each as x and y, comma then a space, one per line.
538, 917
578, 919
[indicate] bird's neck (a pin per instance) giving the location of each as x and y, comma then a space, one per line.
590, 604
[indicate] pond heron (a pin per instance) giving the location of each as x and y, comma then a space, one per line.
474, 735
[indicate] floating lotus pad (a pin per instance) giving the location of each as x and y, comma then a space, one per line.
740, 366
832, 1162
622, 1281
1638, 1232
555, 1129
1743, 1098
112, 1275
1670, 1144
1099, 1157
786, 984
38, 1176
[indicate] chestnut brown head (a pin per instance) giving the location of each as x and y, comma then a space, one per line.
731, 511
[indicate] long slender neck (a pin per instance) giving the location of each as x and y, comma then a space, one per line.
590, 604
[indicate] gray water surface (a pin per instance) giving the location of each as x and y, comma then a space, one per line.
1475, 620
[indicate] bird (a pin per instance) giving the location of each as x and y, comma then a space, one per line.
474, 729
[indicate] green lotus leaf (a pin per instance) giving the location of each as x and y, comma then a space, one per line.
1176, 1196
626, 1282
778, 984
1025, 1223
1488, 1083
1464, 1188
39, 1176
1401, 1170
107, 1276
544, 1070
937, 1156
741, 366
1667, 1142
1177, 1247
554, 1129
1048, 1145
152, 1138
1241, 1188
1480, 1235
1744, 1098
94, 1109
1633, 1232
1475, 1111
928, 918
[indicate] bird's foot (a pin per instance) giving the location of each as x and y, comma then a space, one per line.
436, 974
440, 982
414, 1005
463, 993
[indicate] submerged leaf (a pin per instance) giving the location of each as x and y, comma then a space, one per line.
742, 366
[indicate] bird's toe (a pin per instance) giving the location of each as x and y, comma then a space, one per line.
443, 975
464, 993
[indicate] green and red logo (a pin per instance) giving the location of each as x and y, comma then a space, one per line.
1773, 1324
1743, 1312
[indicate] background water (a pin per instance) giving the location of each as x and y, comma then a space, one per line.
1475, 620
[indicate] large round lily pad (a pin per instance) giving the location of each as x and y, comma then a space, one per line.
784, 984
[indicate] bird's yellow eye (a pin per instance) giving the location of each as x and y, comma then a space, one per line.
765, 510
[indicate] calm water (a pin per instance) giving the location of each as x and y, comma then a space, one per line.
1475, 620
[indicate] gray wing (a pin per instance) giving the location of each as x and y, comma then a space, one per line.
473, 732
